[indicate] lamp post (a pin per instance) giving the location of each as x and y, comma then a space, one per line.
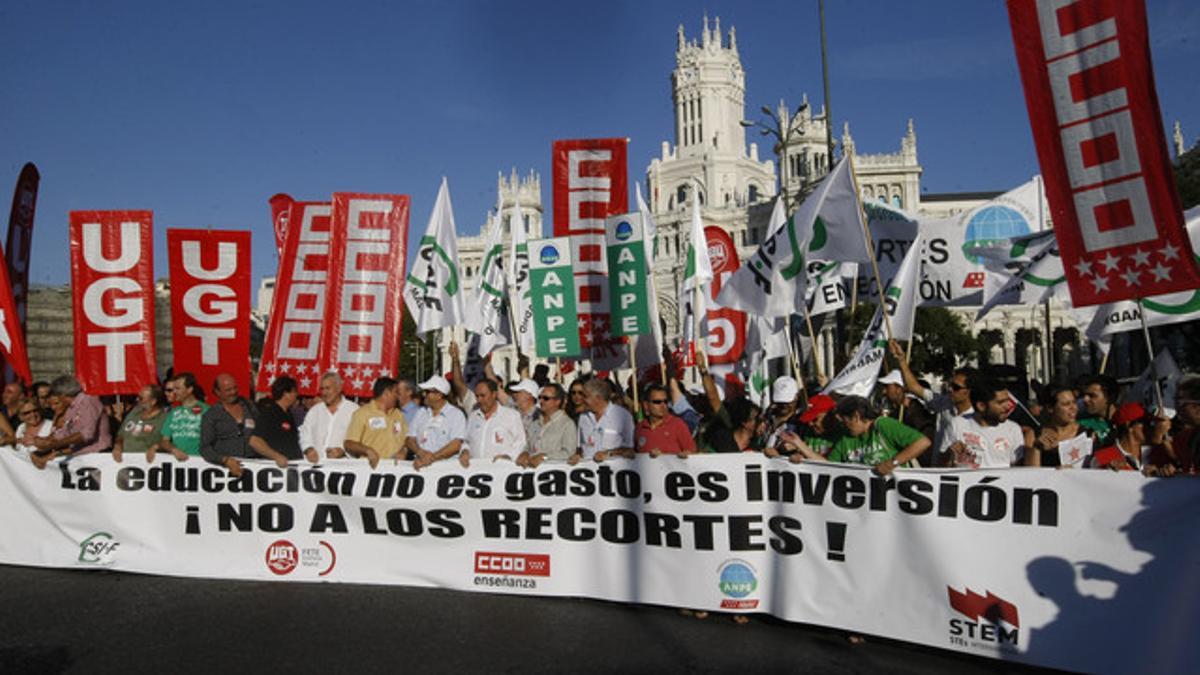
781, 128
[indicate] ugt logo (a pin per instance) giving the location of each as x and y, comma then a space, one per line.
98, 549
993, 619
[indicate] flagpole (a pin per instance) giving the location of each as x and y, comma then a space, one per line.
912, 321
637, 408
1104, 361
1048, 343
797, 372
812, 335
887, 320
1150, 352
558, 369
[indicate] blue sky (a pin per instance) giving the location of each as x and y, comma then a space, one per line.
200, 111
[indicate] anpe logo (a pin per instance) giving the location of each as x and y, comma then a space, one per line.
993, 621
624, 230
99, 549
549, 255
737, 581
282, 557
517, 564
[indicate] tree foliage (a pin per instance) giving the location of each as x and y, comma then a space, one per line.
942, 344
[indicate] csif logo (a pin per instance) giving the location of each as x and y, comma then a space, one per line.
624, 230
549, 255
282, 557
991, 620
98, 549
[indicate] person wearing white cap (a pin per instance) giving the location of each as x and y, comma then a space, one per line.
784, 404
438, 428
493, 431
525, 399
915, 413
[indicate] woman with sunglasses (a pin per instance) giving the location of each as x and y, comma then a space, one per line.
33, 425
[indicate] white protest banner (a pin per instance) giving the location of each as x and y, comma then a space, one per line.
1020, 564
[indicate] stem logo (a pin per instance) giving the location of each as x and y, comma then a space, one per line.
98, 549
993, 621
737, 581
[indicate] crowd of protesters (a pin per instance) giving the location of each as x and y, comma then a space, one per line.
975, 422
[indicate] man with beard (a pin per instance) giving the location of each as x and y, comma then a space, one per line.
323, 432
986, 438
1099, 404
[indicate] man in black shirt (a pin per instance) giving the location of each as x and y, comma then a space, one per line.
275, 435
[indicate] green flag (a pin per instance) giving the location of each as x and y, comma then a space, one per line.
552, 294
627, 281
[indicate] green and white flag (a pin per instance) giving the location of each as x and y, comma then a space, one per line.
835, 217
628, 300
828, 224
1161, 310
698, 274
859, 376
1021, 270
649, 347
828, 285
518, 278
552, 299
433, 294
487, 313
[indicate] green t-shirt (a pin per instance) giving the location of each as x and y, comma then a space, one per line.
138, 432
884, 441
821, 444
183, 427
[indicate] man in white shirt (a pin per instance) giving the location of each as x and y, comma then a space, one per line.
606, 429
954, 402
436, 432
493, 431
525, 400
324, 426
985, 438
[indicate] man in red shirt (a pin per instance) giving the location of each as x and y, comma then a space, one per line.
661, 432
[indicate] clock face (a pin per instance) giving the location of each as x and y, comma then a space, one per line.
689, 75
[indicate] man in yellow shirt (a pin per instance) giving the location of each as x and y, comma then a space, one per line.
378, 428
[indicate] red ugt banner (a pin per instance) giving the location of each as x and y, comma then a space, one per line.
210, 303
281, 210
1089, 87
112, 289
298, 309
590, 184
366, 280
726, 327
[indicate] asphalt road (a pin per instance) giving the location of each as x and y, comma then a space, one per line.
95, 621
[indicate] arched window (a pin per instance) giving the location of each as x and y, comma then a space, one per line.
681, 194
753, 194
896, 201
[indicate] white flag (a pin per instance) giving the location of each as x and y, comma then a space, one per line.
433, 292
772, 281
1168, 375
1023, 270
859, 376
829, 285
487, 314
518, 278
698, 274
649, 347
836, 218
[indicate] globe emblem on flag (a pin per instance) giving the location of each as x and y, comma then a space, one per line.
624, 230
549, 255
994, 223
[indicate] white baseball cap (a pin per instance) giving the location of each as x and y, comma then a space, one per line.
436, 383
892, 378
528, 386
784, 390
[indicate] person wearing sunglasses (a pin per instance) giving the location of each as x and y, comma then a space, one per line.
660, 432
575, 406
954, 402
33, 425
553, 435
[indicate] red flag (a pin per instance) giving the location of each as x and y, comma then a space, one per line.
726, 327
366, 278
12, 335
590, 184
20, 236
281, 209
298, 309
210, 303
112, 288
1089, 87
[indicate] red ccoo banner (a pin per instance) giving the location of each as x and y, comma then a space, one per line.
366, 281
293, 342
590, 180
1089, 87
210, 303
281, 210
112, 289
